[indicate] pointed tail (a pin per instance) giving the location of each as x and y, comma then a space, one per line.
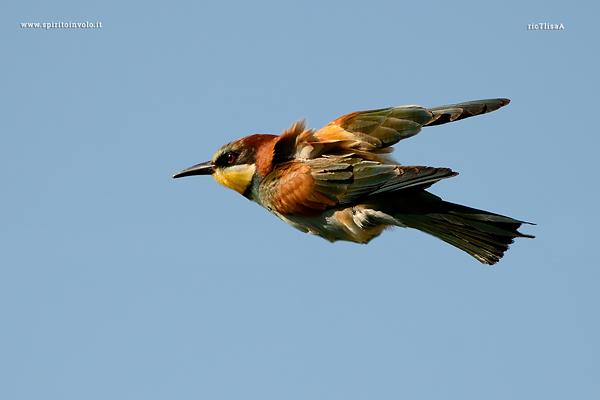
484, 235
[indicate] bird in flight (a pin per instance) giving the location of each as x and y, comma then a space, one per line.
340, 182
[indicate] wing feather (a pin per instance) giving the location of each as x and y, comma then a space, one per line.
310, 171
311, 186
290, 189
373, 131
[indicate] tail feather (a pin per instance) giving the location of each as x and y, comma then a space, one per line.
483, 235
479, 240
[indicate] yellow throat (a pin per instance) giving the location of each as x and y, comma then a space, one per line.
236, 177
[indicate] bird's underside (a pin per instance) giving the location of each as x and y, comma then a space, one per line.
484, 235
341, 183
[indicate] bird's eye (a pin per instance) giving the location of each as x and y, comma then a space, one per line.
230, 157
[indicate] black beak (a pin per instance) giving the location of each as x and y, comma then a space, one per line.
206, 168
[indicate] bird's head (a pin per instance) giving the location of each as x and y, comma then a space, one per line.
235, 164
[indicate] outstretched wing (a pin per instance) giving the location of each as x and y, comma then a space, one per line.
311, 186
344, 161
375, 130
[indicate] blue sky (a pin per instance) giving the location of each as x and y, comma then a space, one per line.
120, 282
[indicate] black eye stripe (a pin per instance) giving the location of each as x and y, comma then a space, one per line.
227, 158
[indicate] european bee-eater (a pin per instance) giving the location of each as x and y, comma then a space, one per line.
341, 183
